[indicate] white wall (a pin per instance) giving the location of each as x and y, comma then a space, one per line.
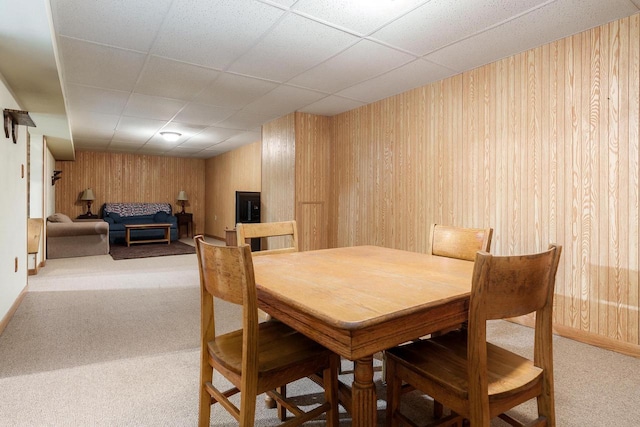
13, 218
36, 176
36, 190
49, 190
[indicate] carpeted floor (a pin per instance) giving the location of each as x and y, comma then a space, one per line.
147, 250
104, 343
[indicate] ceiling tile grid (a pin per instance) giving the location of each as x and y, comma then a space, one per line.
216, 71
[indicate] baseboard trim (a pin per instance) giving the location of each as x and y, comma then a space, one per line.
7, 318
586, 337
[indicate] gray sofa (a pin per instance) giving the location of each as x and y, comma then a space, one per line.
66, 238
119, 214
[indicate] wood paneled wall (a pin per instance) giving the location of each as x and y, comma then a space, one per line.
393, 167
237, 170
278, 169
312, 179
296, 177
541, 146
116, 177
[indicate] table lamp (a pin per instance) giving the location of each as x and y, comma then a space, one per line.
88, 196
182, 197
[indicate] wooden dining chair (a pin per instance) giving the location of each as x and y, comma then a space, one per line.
284, 234
458, 242
283, 237
261, 356
453, 242
478, 380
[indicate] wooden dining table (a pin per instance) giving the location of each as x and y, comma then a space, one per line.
360, 300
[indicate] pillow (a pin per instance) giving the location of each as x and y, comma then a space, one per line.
161, 216
115, 217
58, 217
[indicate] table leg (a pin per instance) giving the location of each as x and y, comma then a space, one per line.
363, 394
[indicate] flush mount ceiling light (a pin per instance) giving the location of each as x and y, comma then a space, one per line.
171, 136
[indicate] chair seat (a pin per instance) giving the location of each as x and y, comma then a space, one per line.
279, 348
443, 360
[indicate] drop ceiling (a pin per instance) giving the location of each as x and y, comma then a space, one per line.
215, 71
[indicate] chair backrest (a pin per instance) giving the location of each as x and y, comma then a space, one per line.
509, 286
226, 272
34, 231
458, 242
270, 229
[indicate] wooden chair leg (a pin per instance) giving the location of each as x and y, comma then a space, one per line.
393, 393
438, 410
330, 383
204, 413
248, 408
282, 411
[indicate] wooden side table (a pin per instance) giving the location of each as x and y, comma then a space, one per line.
185, 219
231, 238
87, 216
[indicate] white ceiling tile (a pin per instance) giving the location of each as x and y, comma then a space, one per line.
83, 133
87, 122
540, 26
283, 100
213, 135
120, 22
234, 91
85, 98
284, 3
245, 138
408, 32
245, 120
200, 114
331, 105
152, 107
360, 62
132, 126
135, 137
414, 74
95, 65
174, 79
230, 145
181, 151
92, 143
183, 128
199, 144
363, 16
213, 33
293, 46
159, 143
125, 145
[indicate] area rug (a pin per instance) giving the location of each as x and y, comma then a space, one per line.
147, 250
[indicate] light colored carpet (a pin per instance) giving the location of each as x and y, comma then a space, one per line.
103, 343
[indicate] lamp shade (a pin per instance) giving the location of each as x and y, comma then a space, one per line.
182, 195
88, 194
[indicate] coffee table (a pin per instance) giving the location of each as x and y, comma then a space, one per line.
165, 226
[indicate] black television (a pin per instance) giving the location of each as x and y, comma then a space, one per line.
248, 211
247, 206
